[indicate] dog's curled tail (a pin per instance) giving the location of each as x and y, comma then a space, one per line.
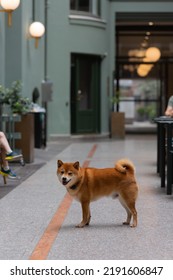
124, 166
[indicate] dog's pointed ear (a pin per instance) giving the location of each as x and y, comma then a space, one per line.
59, 163
76, 165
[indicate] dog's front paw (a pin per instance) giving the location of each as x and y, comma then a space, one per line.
133, 225
81, 225
126, 223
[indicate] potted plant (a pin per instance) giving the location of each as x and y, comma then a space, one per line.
117, 118
14, 103
13, 98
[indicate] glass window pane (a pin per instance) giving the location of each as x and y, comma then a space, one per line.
73, 4
139, 99
88, 6
84, 5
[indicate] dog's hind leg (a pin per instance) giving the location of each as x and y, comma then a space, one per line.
133, 211
86, 216
129, 215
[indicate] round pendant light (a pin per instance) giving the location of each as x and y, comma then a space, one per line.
153, 54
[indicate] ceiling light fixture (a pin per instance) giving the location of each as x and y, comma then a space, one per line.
142, 72
153, 54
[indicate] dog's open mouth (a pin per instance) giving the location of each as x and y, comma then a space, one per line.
65, 182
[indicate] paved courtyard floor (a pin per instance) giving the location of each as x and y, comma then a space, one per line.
38, 218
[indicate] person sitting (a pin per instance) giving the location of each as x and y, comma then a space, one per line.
169, 109
7, 154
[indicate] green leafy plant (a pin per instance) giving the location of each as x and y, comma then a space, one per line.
151, 112
116, 99
12, 96
141, 111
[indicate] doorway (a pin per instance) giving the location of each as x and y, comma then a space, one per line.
85, 94
140, 97
144, 95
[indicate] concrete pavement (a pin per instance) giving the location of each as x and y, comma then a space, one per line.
38, 219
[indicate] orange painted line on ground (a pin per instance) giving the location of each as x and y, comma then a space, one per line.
91, 153
44, 245
86, 163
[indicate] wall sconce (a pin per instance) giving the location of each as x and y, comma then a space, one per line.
36, 31
9, 6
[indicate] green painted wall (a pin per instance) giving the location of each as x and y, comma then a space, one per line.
13, 49
2, 49
32, 59
20, 60
65, 36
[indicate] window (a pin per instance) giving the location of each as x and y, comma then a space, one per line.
86, 6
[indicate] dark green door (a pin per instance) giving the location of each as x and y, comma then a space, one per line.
85, 90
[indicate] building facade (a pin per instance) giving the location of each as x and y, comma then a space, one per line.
77, 55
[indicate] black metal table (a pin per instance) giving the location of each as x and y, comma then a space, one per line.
164, 150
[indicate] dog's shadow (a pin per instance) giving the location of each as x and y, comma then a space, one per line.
93, 226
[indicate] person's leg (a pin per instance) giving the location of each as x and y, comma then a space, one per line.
4, 143
9, 154
5, 169
3, 160
5, 151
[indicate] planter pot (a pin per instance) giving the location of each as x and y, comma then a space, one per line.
118, 125
26, 143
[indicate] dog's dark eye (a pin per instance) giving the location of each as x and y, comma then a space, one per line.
70, 173
62, 171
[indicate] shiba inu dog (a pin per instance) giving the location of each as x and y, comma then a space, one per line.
89, 184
